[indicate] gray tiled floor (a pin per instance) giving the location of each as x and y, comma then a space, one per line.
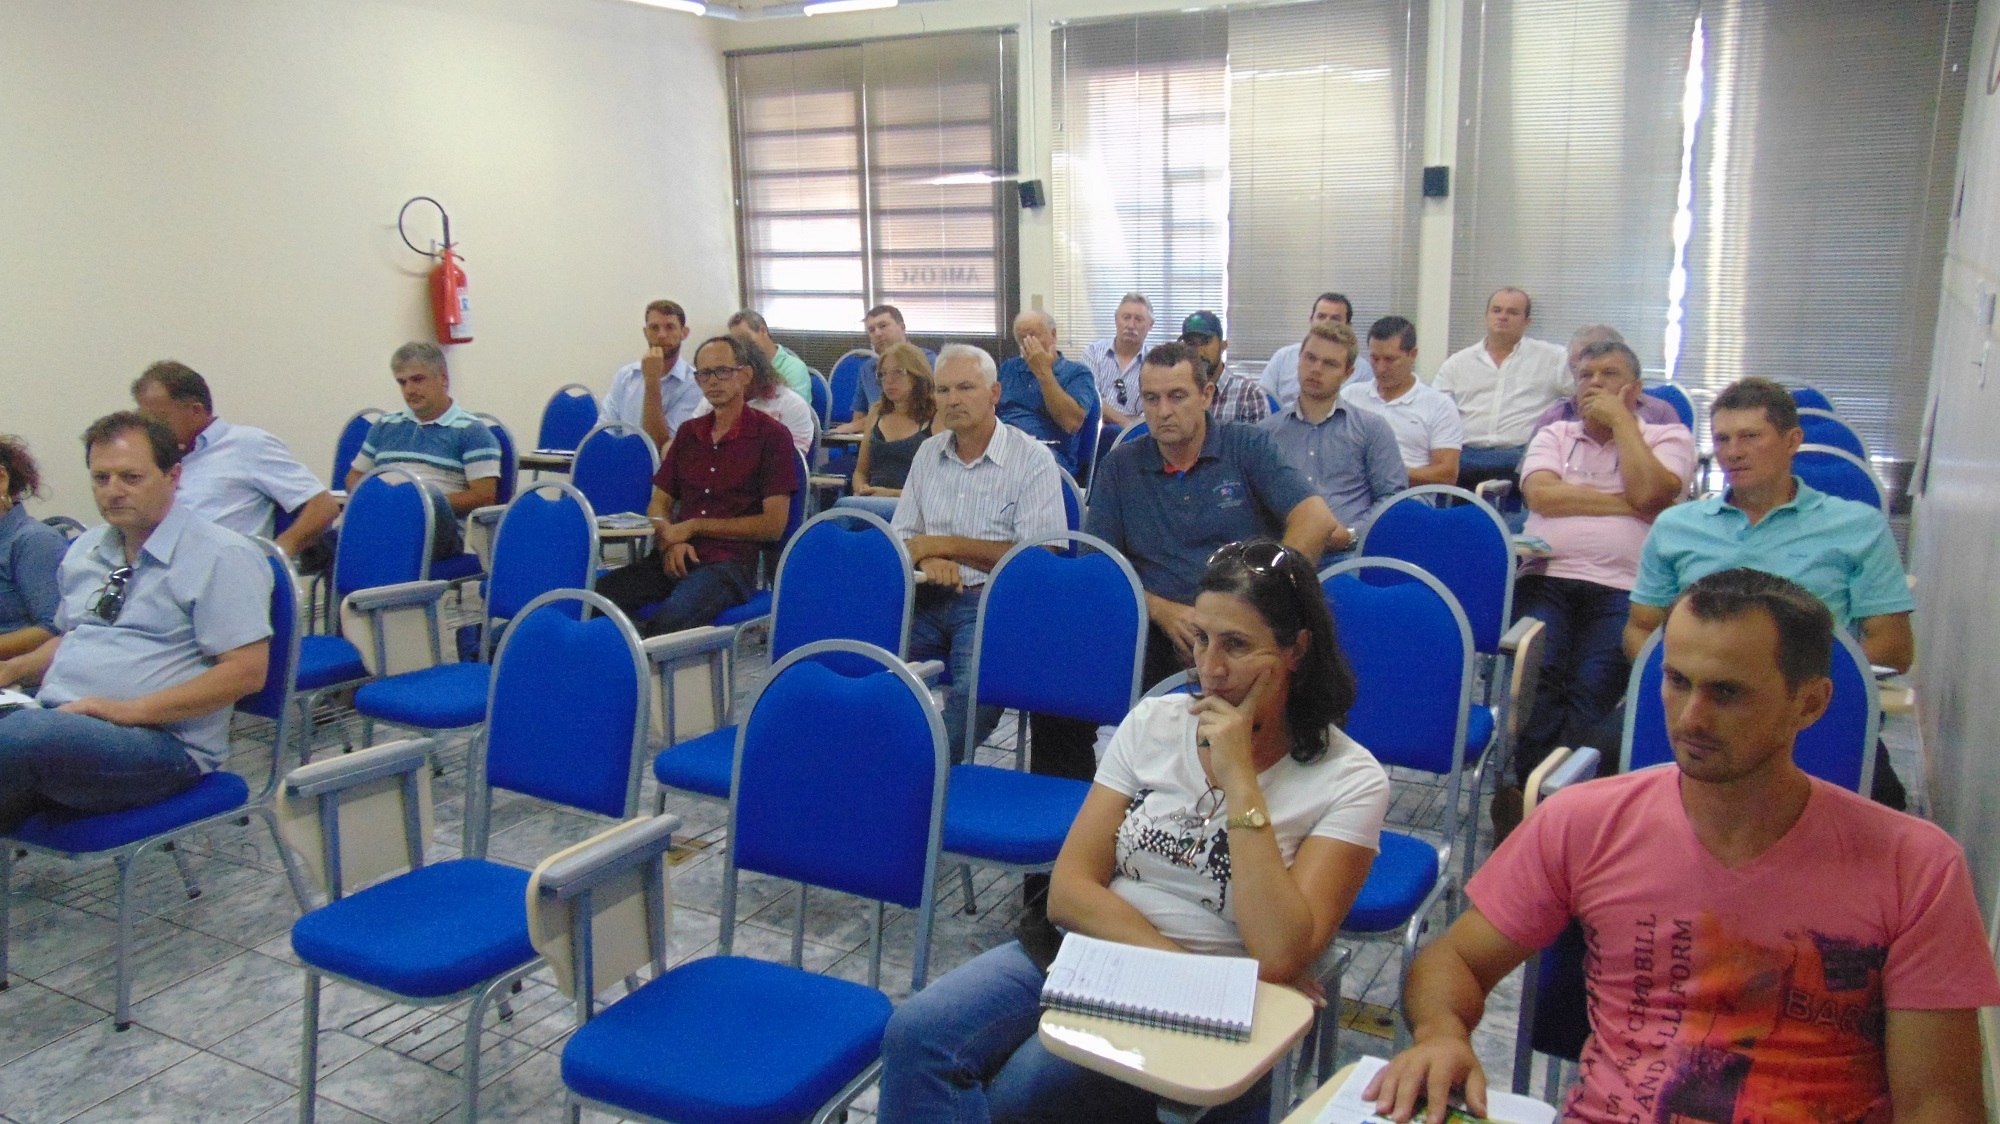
217, 993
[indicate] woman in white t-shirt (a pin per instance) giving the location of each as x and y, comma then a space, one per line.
1241, 821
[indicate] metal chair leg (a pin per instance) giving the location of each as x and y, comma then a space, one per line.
123, 1019
309, 1049
187, 872
6, 892
965, 879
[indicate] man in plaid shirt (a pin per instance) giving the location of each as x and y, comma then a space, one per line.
1237, 398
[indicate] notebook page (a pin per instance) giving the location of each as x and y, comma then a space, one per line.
1206, 990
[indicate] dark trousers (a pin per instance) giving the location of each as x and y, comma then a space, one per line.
659, 603
1067, 747
1584, 669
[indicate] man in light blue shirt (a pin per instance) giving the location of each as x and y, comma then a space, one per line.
1348, 453
1281, 375
658, 392
234, 476
164, 623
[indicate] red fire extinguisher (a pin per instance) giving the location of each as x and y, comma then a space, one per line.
451, 304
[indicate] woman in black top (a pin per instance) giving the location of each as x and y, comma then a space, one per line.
898, 422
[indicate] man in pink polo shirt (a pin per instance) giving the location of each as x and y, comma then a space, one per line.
1592, 484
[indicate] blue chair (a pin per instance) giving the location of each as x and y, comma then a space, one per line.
1469, 549
841, 383
1083, 443
547, 541
510, 458
1030, 654
219, 796
1073, 509
347, 446
757, 610
614, 469
571, 413
726, 1037
1838, 749
822, 399
1825, 428
1131, 432
1107, 438
1410, 646
844, 576
434, 934
68, 527
1674, 396
1838, 472
1811, 398
1554, 1014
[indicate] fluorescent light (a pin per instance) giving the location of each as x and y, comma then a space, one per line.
691, 7
829, 7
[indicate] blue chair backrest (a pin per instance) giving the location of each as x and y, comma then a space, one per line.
1839, 748
1131, 432
822, 399
510, 458
614, 469
1073, 508
840, 389
1083, 443
1823, 428
1677, 398
566, 718
1107, 439
857, 812
1810, 398
271, 699
569, 416
1467, 547
1411, 650
547, 540
348, 446
844, 576
1838, 472
385, 537
1061, 635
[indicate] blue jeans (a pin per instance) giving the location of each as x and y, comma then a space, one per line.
942, 628
964, 1050
659, 603
1583, 668
54, 761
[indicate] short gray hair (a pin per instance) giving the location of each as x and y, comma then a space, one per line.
1594, 333
415, 352
988, 370
1136, 298
1048, 321
1598, 349
750, 318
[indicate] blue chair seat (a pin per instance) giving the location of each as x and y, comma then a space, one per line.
1403, 874
444, 697
214, 794
456, 568
326, 660
759, 605
394, 937
728, 1039
703, 764
1004, 815
1479, 726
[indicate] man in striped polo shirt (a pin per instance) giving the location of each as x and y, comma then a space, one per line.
438, 441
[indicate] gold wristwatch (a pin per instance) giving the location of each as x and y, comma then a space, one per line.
1255, 817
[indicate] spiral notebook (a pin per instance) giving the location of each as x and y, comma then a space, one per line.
1212, 995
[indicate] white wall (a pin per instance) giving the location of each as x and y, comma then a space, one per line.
217, 181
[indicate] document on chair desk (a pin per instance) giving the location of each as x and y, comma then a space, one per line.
1348, 1106
12, 700
1212, 995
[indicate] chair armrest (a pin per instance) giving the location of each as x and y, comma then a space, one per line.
677, 646
927, 670
398, 596
1514, 637
1562, 768
1492, 490
606, 856
337, 774
488, 515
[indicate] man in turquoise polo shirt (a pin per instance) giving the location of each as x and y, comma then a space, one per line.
1770, 520
438, 441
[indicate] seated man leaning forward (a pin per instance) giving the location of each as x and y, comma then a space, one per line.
438, 441
1761, 945
1239, 823
972, 492
723, 489
165, 622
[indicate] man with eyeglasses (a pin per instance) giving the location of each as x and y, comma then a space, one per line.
164, 623
1593, 486
722, 491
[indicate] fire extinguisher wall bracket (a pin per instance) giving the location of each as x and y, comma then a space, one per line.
451, 304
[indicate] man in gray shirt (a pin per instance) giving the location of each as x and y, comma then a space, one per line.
164, 624
1348, 453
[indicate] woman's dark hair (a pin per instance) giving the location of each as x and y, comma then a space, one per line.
23, 477
1280, 584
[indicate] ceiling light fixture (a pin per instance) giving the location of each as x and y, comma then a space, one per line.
691, 7
830, 7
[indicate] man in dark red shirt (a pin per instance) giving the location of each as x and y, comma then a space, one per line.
723, 489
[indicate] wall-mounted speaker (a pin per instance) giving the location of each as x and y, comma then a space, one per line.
1032, 195
1437, 181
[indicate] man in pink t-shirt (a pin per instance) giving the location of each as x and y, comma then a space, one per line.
1593, 485
1761, 946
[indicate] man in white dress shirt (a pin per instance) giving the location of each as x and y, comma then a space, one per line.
658, 392
234, 476
1501, 385
1428, 430
1281, 375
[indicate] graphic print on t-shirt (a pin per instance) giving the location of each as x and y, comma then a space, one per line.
1720, 1029
1178, 837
